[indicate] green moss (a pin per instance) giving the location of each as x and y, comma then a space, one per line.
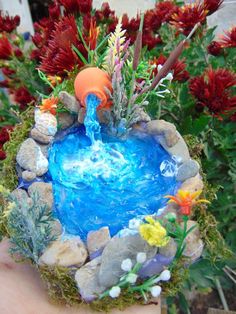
195, 147
125, 300
3, 218
60, 284
179, 274
212, 238
8, 173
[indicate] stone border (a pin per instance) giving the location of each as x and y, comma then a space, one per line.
104, 253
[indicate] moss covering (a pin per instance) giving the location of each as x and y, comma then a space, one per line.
8, 173
125, 300
60, 284
179, 274
3, 218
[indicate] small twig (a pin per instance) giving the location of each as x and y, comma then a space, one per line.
221, 294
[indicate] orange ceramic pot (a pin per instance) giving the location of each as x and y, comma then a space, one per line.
93, 81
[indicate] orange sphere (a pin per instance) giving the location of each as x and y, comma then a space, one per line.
93, 81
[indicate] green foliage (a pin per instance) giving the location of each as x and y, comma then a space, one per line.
60, 284
30, 227
3, 210
7, 111
8, 173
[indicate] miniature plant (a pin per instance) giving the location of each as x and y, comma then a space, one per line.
30, 227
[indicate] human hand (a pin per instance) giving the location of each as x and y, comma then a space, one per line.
22, 291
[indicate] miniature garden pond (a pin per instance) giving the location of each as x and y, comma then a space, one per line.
100, 180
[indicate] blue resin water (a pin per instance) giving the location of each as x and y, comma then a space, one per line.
101, 181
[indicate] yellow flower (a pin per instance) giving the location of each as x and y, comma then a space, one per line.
154, 233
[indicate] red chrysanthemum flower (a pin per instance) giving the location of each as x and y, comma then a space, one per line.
7, 71
5, 48
54, 10
164, 10
151, 40
8, 24
77, 6
212, 5
59, 56
151, 21
18, 53
188, 16
233, 117
35, 55
2, 154
4, 84
4, 135
229, 39
106, 16
215, 48
180, 73
22, 97
213, 91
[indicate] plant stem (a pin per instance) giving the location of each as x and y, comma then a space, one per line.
221, 294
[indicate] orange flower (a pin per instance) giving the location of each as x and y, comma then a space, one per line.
93, 35
49, 105
186, 200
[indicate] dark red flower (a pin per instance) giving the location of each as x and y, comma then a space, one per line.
152, 22
151, 41
35, 55
37, 39
4, 84
212, 5
2, 154
85, 6
214, 48
18, 53
105, 15
188, 16
71, 6
7, 71
233, 117
4, 135
213, 91
59, 56
5, 48
180, 73
229, 39
54, 10
22, 97
8, 24
164, 10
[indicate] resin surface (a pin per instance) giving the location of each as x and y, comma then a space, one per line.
101, 181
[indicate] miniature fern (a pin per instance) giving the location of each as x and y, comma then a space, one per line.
29, 225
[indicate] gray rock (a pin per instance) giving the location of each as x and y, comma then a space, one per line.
44, 149
97, 240
81, 115
65, 120
117, 250
193, 184
71, 252
69, 102
139, 115
170, 249
187, 170
21, 198
155, 265
40, 137
194, 244
43, 191
28, 175
180, 149
30, 157
87, 280
57, 228
161, 127
46, 123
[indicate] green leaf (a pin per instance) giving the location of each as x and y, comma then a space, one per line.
80, 55
200, 124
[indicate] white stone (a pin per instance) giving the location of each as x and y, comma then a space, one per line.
70, 252
46, 123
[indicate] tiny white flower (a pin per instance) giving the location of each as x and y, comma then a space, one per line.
165, 275
159, 67
141, 257
114, 292
126, 264
132, 278
169, 77
155, 291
